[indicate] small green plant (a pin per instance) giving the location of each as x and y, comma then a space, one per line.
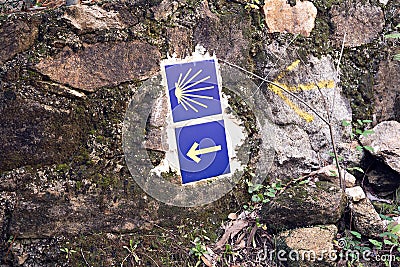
229, 255
198, 250
358, 131
68, 251
352, 247
387, 247
131, 249
264, 194
394, 36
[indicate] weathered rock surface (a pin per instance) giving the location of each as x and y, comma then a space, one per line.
330, 173
181, 41
386, 143
301, 206
309, 247
302, 143
365, 218
35, 133
355, 193
165, 9
282, 17
90, 18
360, 22
225, 35
387, 92
102, 64
16, 36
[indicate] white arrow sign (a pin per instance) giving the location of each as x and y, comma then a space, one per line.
193, 153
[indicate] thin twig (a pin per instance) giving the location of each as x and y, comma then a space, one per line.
342, 183
150, 258
10, 246
341, 180
337, 72
84, 259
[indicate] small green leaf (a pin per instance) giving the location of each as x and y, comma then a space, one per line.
395, 229
346, 123
356, 234
270, 194
271, 190
387, 234
384, 217
333, 173
304, 182
367, 132
359, 148
366, 121
360, 122
388, 242
393, 35
254, 188
256, 198
358, 131
376, 243
369, 148
396, 57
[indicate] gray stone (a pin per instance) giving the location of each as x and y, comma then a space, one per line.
330, 173
156, 129
365, 218
224, 35
165, 9
180, 42
304, 139
280, 16
91, 18
16, 36
386, 143
102, 64
355, 193
387, 92
36, 133
301, 206
309, 247
360, 22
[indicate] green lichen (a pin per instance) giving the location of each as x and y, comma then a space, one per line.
62, 168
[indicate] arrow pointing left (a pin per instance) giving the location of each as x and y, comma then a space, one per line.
193, 153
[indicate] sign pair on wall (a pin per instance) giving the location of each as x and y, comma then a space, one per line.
194, 93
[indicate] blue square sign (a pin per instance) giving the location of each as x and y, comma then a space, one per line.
193, 89
202, 151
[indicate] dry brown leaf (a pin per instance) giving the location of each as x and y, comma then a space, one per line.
206, 262
232, 216
242, 244
231, 230
240, 238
